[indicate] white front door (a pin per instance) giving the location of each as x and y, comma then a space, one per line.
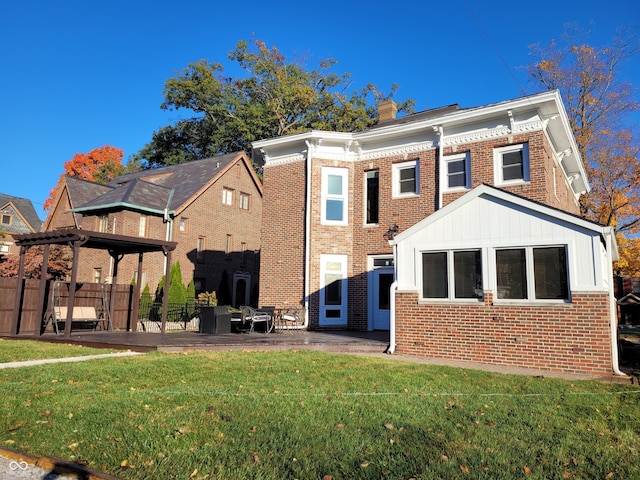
380, 297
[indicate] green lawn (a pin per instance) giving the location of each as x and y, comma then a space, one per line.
22, 350
313, 415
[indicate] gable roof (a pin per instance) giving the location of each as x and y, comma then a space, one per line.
516, 201
168, 189
24, 207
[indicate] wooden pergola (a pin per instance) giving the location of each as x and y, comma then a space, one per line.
117, 245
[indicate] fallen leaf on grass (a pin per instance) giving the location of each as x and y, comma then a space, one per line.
389, 426
194, 473
527, 470
73, 447
364, 464
464, 469
256, 458
340, 425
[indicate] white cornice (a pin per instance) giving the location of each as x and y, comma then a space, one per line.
476, 136
396, 150
284, 159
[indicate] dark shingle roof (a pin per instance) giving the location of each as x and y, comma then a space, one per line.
159, 188
25, 207
82, 191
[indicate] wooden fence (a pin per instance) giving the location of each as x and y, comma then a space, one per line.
87, 295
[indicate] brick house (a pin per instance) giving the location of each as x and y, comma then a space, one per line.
333, 202
17, 216
211, 208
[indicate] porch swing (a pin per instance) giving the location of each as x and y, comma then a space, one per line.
87, 315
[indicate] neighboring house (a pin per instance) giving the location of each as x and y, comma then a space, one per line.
333, 201
212, 208
17, 215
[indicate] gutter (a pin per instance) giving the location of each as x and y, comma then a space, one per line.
392, 302
440, 131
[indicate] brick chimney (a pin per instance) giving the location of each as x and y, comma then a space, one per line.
387, 110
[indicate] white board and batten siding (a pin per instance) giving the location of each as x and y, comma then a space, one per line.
487, 218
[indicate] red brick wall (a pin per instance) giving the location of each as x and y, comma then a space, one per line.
571, 337
283, 234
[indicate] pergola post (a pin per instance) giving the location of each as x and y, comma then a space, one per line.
42, 301
15, 323
114, 285
71, 299
135, 306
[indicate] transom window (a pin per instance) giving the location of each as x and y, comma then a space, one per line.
405, 179
452, 275
538, 273
511, 164
334, 196
456, 172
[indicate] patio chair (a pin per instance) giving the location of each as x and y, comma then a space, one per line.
252, 316
291, 318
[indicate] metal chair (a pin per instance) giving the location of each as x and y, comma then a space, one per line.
252, 316
291, 318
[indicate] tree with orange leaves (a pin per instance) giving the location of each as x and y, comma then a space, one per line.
100, 165
598, 104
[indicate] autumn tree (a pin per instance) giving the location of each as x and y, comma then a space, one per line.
274, 97
100, 165
599, 104
58, 266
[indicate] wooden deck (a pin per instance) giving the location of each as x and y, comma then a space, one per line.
330, 341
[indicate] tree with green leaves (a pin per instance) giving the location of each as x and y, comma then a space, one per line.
274, 97
599, 104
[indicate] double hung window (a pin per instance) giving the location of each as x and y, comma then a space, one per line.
335, 189
227, 196
511, 164
456, 172
406, 179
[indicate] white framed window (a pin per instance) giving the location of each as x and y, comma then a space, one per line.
452, 274
335, 201
372, 194
97, 275
333, 290
142, 226
406, 179
456, 172
227, 196
511, 164
4, 248
182, 224
532, 273
243, 201
103, 223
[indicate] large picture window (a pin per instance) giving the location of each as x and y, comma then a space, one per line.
452, 275
534, 273
335, 188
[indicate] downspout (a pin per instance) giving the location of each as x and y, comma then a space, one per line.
392, 303
440, 131
307, 239
613, 318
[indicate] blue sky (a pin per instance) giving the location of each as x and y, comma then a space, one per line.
79, 74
